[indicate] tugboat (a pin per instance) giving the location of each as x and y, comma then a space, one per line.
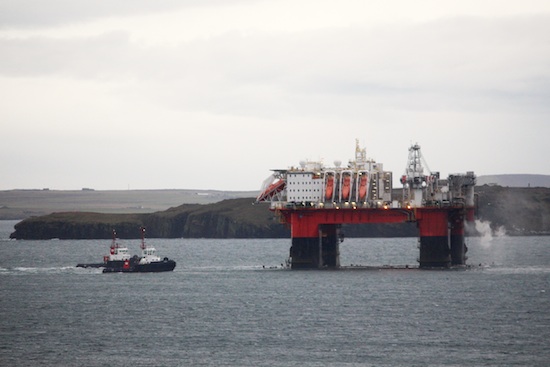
118, 256
119, 260
149, 262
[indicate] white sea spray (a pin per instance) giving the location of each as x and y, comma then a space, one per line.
487, 234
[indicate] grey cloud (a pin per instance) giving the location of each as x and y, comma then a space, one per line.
94, 57
46, 13
457, 64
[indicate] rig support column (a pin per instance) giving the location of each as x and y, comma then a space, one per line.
434, 239
317, 252
314, 244
306, 249
304, 253
458, 246
329, 237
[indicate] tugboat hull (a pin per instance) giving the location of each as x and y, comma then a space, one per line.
165, 265
136, 267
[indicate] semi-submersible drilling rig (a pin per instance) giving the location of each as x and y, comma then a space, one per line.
315, 201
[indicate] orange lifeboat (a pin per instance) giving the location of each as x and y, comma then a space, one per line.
363, 187
329, 189
346, 186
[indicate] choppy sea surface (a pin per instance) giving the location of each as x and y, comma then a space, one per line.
221, 307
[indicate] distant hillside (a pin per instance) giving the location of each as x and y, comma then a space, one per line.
515, 180
520, 211
234, 218
21, 204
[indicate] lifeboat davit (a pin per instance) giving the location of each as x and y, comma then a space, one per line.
346, 186
363, 187
271, 191
329, 189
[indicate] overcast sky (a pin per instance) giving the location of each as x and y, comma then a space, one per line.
212, 94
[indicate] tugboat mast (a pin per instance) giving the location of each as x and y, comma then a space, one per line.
142, 246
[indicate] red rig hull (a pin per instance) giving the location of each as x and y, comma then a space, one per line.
316, 232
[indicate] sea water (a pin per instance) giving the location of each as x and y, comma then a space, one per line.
231, 303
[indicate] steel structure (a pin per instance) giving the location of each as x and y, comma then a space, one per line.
315, 201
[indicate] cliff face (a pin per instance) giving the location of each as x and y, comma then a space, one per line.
520, 211
235, 218
77, 225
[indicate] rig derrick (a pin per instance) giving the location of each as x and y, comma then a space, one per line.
315, 201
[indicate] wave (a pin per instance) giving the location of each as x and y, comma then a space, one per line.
518, 270
214, 268
46, 270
